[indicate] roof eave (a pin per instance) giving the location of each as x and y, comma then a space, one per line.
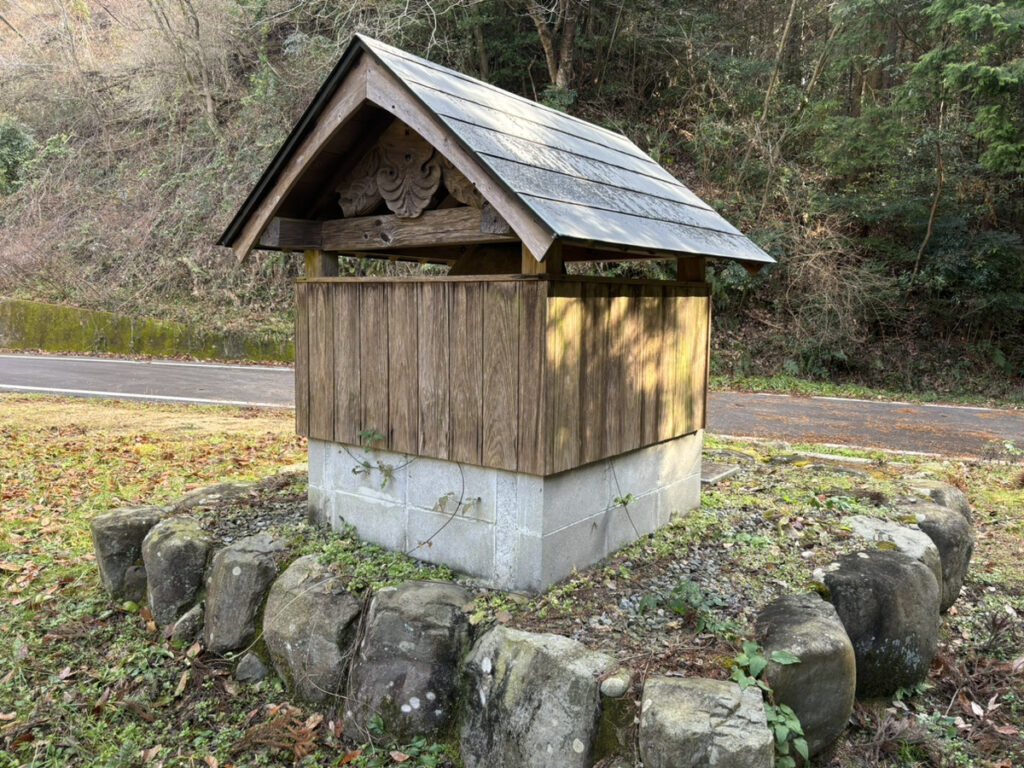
305, 123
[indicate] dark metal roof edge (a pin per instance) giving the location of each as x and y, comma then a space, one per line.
298, 133
643, 253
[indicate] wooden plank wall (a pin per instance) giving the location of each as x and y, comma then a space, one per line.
534, 376
626, 367
433, 366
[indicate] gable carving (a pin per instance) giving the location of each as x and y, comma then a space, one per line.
405, 172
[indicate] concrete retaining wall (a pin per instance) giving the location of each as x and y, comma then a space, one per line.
56, 328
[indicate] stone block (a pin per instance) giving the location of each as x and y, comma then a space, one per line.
572, 548
539, 528
531, 701
433, 483
911, 541
464, 544
309, 626
696, 723
405, 669
382, 522
951, 532
379, 475
240, 576
174, 552
577, 493
117, 538
679, 497
625, 524
821, 688
889, 605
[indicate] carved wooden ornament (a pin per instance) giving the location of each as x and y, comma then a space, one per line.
461, 188
409, 173
359, 195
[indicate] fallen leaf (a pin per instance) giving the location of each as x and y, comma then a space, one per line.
64, 674
348, 757
181, 684
211, 761
976, 710
314, 720
503, 617
1008, 730
8, 715
100, 702
147, 755
398, 757
194, 650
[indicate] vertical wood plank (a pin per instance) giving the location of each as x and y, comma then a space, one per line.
432, 322
706, 341
594, 381
686, 341
532, 330
347, 408
651, 320
615, 371
302, 359
321, 364
625, 411
465, 324
373, 360
670, 405
501, 375
403, 372
564, 322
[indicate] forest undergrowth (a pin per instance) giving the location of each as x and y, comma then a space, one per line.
875, 149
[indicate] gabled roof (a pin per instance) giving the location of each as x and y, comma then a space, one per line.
571, 180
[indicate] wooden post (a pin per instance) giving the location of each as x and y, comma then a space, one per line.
320, 264
552, 264
691, 269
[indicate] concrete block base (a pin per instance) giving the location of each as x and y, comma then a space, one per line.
511, 530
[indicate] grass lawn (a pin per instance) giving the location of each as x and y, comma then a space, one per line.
86, 681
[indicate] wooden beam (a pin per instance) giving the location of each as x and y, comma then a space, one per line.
320, 264
451, 226
342, 106
502, 259
291, 235
552, 264
691, 269
447, 228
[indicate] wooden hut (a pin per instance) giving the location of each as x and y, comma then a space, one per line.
507, 419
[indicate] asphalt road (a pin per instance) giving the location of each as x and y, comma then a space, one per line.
162, 380
941, 429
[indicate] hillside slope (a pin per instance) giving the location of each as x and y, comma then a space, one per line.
875, 149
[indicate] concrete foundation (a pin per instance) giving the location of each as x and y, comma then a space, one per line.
512, 530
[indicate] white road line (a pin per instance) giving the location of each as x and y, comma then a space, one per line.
952, 406
864, 448
918, 405
132, 396
44, 358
